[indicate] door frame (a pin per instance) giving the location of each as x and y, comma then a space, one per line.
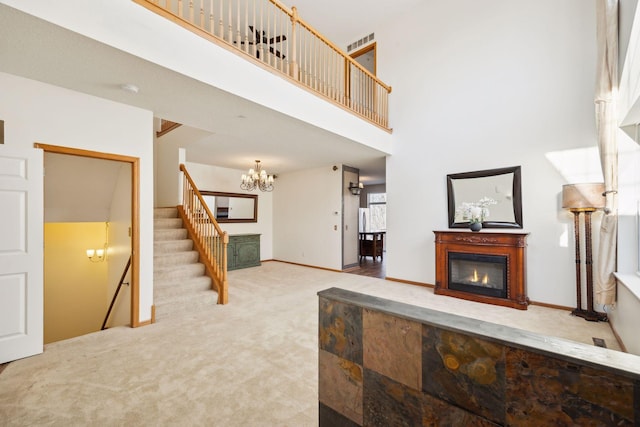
135, 216
367, 49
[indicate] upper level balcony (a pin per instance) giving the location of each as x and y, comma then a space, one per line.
221, 91
274, 36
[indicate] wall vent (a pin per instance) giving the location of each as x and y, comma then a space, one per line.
358, 43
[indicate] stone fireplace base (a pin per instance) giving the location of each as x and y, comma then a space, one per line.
484, 267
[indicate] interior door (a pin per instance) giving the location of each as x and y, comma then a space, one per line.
21, 252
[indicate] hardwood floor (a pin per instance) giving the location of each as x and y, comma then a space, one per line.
370, 268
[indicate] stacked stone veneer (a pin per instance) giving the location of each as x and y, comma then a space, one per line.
383, 363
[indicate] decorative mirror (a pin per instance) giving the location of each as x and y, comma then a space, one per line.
232, 207
496, 191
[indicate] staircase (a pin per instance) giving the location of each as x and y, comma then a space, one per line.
180, 283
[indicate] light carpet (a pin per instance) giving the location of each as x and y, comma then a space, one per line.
253, 362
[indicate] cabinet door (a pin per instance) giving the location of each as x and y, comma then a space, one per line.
247, 253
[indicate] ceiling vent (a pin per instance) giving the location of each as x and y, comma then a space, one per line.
359, 43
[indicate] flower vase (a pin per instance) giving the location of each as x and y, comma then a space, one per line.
475, 226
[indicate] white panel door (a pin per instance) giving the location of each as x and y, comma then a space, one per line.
21, 253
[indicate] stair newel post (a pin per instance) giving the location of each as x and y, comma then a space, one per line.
294, 70
224, 292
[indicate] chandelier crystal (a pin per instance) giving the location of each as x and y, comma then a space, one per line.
257, 178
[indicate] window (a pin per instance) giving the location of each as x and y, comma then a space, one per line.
377, 203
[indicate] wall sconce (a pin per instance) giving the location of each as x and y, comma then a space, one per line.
99, 255
96, 255
355, 189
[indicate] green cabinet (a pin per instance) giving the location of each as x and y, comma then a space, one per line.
243, 251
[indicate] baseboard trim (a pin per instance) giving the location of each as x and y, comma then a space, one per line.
547, 305
410, 282
307, 265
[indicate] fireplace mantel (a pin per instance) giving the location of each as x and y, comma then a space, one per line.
504, 246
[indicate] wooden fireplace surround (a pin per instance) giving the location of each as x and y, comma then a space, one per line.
511, 245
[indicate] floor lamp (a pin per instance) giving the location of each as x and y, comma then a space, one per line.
584, 198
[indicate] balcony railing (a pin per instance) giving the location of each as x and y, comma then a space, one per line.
274, 35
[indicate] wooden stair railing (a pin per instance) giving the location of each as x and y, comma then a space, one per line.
274, 36
208, 238
115, 295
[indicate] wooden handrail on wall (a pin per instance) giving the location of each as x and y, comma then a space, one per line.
268, 32
115, 295
208, 238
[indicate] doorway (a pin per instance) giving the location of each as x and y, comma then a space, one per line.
366, 57
74, 181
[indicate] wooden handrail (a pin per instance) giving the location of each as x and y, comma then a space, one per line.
209, 239
115, 295
274, 36
333, 46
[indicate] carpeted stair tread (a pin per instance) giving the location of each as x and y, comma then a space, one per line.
178, 271
173, 259
167, 212
169, 246
170, 234
168, 287
164, 223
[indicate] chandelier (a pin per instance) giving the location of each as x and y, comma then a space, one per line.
257, 178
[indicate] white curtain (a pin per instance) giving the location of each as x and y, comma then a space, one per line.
607, 126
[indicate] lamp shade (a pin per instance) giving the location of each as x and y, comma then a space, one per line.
583, 196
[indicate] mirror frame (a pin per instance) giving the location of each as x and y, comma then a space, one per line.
238, 195
516, 191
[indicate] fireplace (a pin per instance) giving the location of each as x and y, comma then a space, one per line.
478, 274
483, 267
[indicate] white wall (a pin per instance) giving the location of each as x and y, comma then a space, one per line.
213, 178
307, 215
487, 87
168, 178
37, 112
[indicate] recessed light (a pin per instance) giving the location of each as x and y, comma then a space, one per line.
130, 87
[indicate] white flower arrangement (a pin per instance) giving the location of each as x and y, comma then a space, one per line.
475, 211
